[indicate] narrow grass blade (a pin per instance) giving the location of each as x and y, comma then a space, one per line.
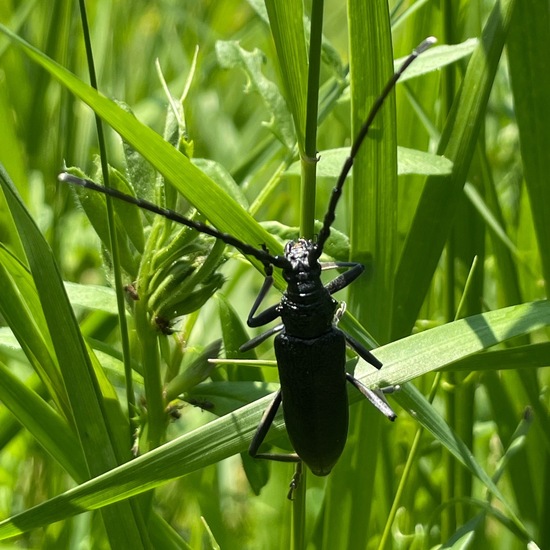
87, 408
196, 187
438, 203
529, 35
287, 27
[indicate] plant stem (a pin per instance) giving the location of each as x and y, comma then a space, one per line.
117, 273
309, 157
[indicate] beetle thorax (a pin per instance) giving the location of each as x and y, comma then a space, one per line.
307, 309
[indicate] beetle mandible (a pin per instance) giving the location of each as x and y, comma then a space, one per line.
310, 349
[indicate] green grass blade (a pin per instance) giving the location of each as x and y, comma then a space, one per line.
20, 307
286, 20
49, 429
87, 407
405, 359
413, 401
531, 88
372, 243
195, 186
435, 213
529, 36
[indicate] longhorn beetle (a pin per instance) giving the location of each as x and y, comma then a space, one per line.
310, 349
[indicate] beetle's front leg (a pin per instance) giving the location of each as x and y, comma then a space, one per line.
270, 313
266, 316
346, 278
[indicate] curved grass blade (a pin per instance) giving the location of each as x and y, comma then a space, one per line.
203, 193
94, 420
231, 434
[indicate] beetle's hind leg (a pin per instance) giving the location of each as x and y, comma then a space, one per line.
261, 432
259, 436
375, 397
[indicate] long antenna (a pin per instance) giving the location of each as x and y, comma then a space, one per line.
263, 255
337, 191
259, 254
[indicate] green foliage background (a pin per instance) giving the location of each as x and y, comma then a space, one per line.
64, 416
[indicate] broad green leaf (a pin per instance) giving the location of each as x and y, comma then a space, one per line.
436, 58
231, 55
93, 297
409, 161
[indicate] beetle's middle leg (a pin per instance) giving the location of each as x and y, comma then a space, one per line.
342, 281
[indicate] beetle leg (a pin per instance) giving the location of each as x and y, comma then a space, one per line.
362, 351
270, 313
266, 316
265, 424
346, 278
325, 266
257, 340
377, 399
295, 481
342, 281
259, 436
261, 432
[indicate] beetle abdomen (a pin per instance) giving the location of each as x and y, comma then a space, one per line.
315, 404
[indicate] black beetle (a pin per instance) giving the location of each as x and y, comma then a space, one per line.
310, 349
